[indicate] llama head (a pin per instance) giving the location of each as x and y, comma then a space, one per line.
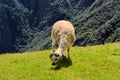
55, 58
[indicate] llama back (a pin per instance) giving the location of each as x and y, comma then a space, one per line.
64, 28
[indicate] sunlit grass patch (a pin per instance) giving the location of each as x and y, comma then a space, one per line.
100, 62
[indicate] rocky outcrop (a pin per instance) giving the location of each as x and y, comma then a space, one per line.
25, 25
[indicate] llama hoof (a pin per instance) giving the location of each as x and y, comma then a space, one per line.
53, 63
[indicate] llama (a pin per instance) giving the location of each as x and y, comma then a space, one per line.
63, 34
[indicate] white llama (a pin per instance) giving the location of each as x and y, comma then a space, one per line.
63, 34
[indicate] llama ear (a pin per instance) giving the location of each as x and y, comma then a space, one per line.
52, 53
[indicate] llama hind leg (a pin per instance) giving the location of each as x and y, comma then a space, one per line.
53, 46
68, 50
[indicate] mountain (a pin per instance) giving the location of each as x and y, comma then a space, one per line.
25, 25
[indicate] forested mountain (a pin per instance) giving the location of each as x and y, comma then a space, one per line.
25, 25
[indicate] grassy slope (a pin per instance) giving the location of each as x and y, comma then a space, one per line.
87, 63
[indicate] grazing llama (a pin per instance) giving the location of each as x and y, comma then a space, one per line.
63, 34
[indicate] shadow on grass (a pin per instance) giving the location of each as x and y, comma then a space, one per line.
116, 54
65, 62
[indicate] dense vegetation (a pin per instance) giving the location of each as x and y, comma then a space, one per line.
25, 25
100, 26
87, 63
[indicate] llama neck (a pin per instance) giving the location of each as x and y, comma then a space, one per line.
62, 45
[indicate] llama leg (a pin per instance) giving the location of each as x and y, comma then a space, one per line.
68, 50
53, 45
61, 56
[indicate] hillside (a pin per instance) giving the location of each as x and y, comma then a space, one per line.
87, 63
25, 25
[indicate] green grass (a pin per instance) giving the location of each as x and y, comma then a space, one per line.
100, 62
